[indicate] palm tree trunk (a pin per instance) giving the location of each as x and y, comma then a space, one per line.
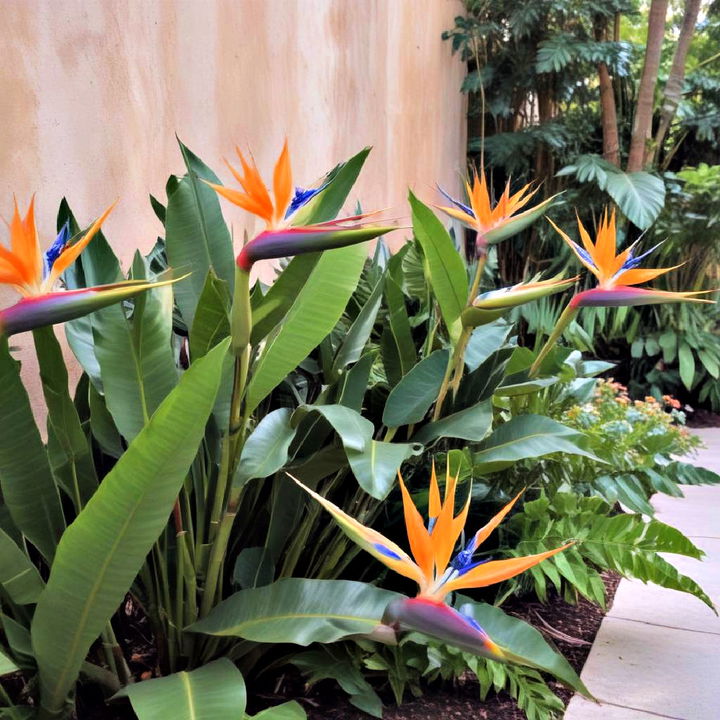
674, 85
608, 111
642, 122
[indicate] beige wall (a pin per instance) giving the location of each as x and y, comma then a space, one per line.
94, 90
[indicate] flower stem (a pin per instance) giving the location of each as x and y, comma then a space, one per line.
456, 365
567, 316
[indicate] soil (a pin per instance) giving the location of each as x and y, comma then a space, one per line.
572, 628
703, 419
555, 619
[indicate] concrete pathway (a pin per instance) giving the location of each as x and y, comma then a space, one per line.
657, 653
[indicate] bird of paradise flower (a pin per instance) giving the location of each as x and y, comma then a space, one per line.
35, 274
617, 275
436, 566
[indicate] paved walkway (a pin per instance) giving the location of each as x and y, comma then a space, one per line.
657, 654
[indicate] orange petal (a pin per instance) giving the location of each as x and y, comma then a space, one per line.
447, 528
606, 242
496, 571
482, 534
68, 256
282, 184
254, 186
571, 245
418, 536
641, 275
243, 200
24, 244
480, 201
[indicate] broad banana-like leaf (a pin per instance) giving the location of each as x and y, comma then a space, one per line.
313, 314
28, 488
213, 691
102, 551
443, 265
298, 611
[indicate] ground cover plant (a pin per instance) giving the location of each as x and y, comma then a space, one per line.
187, 479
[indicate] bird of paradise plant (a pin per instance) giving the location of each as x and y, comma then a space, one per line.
493, 224
435, 566
34, 274
616, 273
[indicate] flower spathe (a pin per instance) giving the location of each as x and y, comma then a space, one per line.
491, 305
435, 564
34, 274
282, 237
493, 223
618, 273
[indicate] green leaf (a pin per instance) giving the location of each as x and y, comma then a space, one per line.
266, 449
68, 447
687, 364
374, 463
7, 666
18, 576
335, 663
97, 265
102, 551
253, 568
327, 204
213, 691
639, 195
525, 644
359, 332
287, 711
312, 316
528, 436
212, 321
471, 424
627, 489
521, 384
354, 383
298, 611
196, 237
397, 344
136, 360
411, 398
27, 483
485, 341
269, 309
444, 266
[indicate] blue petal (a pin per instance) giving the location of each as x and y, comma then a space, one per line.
472, 566
633, 262
54, 251
584, 254
431, 524
386, 551
456, 203
302, 197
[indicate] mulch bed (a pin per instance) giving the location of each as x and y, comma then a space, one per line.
703, 419
555, 619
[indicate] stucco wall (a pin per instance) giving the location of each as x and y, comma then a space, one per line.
94, 91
